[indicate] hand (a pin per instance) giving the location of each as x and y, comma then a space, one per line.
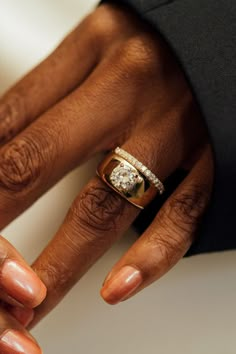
21, 288
112, 81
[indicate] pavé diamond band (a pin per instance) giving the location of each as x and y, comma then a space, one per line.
143, 169
129, 177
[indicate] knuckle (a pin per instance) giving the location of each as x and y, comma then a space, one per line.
170, 246
139, 57
103, 23
20, 164
177, 223
98, 208
23, 160
185, 209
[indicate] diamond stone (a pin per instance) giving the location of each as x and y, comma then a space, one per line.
125, 178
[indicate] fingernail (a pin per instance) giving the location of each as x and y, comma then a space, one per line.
23, 315
121, 285
14, 342
22, 284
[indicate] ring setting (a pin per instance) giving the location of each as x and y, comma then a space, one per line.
129, 177
142, 168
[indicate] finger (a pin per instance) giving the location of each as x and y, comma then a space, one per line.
14, 339
167, 239
19, 285
50, 81
62, 138
68, 135
97, 218
94, 222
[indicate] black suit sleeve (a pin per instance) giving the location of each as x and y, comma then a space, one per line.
202, 34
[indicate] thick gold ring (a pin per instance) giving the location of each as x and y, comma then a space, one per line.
129, 177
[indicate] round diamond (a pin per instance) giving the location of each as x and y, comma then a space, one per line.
124, 178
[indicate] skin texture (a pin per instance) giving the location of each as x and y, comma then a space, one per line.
112, 81
21, 288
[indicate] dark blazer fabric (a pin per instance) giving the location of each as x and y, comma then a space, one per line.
202, 35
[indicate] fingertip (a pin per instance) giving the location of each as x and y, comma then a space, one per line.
108, 300
121, 285
21, 283
13, 342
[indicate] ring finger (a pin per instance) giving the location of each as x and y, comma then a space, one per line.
97, 218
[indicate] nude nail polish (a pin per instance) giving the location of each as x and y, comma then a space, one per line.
121, 285
22, 283
14, 342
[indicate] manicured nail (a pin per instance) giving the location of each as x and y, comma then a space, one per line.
23, 315
121, 285
22, 284
14, 342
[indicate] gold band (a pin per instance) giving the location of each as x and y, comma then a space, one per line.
124, 178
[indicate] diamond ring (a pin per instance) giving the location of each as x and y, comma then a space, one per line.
129, 177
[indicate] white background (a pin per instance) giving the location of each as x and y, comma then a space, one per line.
190, 311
